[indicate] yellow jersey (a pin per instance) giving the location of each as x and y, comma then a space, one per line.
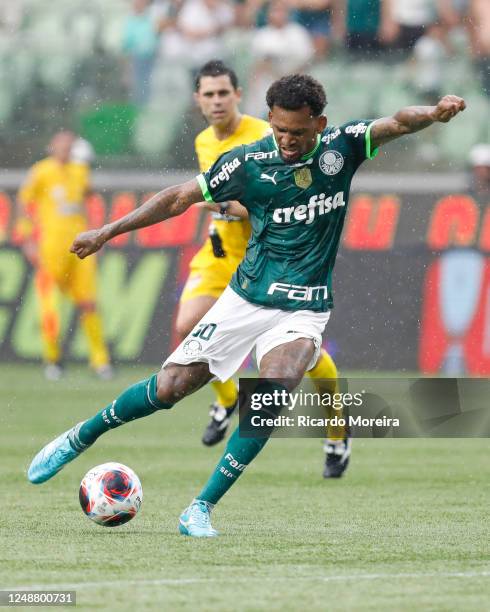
58, 192
234, 234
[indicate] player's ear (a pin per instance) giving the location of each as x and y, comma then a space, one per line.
322, 122
196, 98
238, 94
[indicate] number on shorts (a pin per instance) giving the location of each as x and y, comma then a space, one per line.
204, 331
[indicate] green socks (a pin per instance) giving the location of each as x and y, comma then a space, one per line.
141, 400
136, 402
239, 451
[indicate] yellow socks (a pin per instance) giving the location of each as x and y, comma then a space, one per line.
47, 294
92, 327
326, 368
226, 392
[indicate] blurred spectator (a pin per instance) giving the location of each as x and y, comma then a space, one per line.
480, 169
140, 42
428, 59
316, 17
278, 48
362, 22
82, 151
198, 35
452, 12
479, 26
405, 21
11, 16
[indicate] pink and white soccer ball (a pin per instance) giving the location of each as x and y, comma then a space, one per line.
110, 494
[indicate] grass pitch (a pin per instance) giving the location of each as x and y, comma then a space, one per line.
406, 529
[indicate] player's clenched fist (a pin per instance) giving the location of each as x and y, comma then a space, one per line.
87, 243
447, 108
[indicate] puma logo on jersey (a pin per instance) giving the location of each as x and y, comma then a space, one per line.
268, 177
317, 206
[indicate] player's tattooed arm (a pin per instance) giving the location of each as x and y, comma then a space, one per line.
414, 118
168, 203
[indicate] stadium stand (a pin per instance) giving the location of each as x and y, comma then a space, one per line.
63, 62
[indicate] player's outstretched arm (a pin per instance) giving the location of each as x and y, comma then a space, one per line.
170, 202
414, 118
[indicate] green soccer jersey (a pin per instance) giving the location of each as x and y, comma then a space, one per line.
297, 212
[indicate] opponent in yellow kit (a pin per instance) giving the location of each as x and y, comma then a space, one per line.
218, 95
56, 188
213, 266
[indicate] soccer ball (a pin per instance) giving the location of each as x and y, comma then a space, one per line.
110, 494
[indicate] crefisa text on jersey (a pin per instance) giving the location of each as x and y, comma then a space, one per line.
224, 174
317, 206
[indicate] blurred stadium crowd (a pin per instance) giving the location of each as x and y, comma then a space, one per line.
120, 71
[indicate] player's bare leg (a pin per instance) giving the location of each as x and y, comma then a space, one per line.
281, 369
159, 392
288, 361
190, 313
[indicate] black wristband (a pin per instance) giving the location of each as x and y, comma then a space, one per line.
223, 207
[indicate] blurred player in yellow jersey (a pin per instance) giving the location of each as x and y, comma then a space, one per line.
218, 95
55, 192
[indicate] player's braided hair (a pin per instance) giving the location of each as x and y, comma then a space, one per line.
296, 91
215, 68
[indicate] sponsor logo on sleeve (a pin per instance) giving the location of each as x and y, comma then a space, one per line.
226, 171
331, 162
327, 139
357, 129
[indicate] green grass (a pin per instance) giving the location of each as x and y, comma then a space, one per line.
406, 529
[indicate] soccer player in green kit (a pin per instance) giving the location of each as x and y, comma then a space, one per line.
295, 185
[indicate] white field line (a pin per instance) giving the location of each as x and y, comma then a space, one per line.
183, 581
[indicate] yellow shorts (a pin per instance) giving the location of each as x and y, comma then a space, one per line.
209, 275
73, 276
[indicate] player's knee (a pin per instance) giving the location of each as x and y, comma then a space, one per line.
289, 377
170, 386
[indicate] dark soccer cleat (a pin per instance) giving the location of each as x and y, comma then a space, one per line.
218, 426
337, 455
